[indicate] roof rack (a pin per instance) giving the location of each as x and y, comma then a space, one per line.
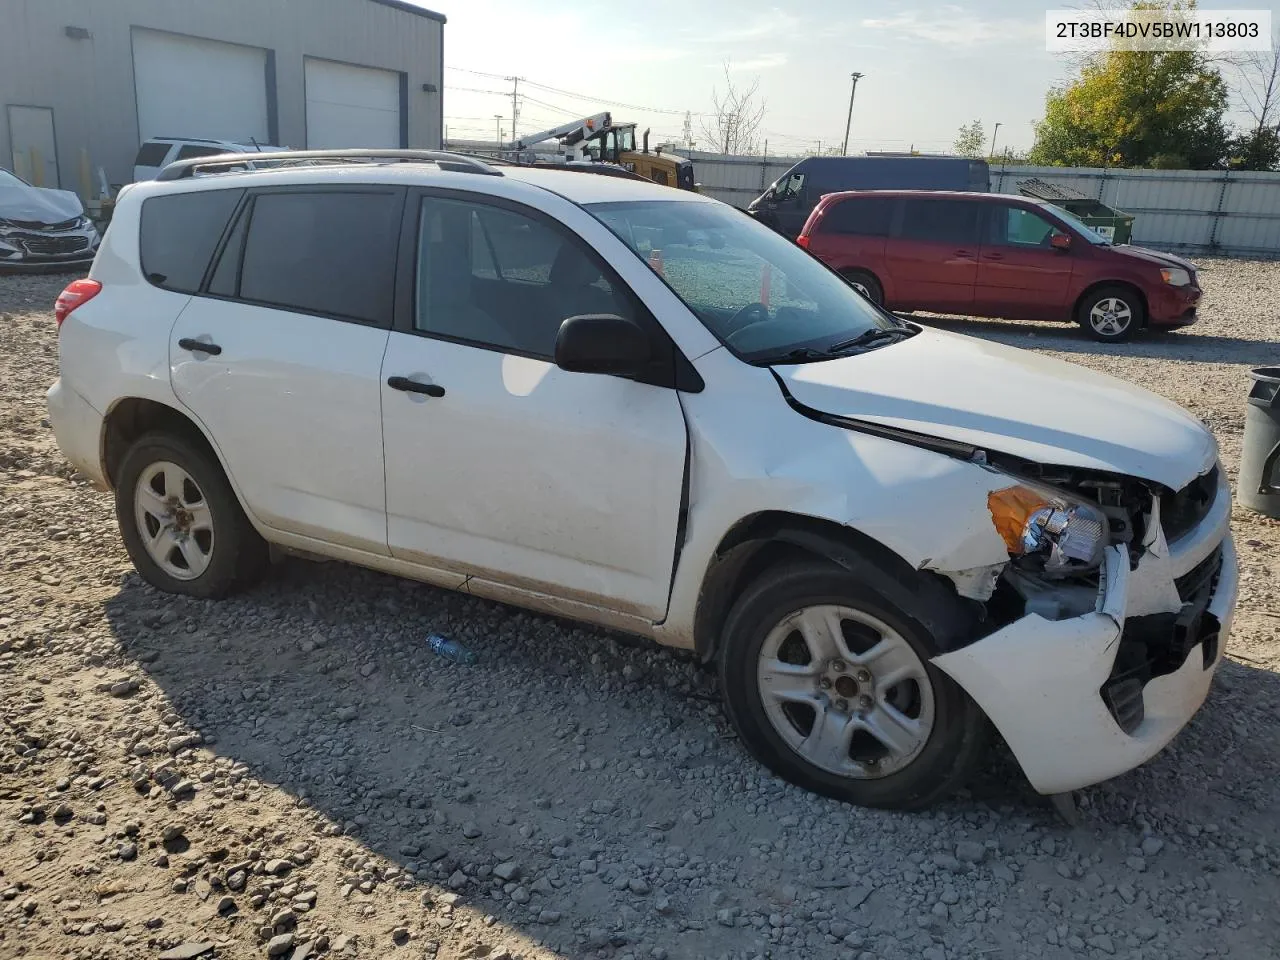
455, 162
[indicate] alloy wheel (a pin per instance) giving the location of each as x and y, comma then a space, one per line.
174, 520
845, 691
1110, 317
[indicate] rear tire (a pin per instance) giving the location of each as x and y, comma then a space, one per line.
867, 285
869, 719
1112, 313
180, 520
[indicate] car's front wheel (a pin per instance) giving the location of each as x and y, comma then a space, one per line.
829, 684
180, 520
1111, 314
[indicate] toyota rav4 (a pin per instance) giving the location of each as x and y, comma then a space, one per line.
637, 407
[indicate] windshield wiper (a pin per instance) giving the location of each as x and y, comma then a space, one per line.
798, 355
868, 337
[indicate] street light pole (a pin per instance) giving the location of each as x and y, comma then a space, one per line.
844, 151
994, 133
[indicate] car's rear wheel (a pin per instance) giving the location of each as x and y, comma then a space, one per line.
829, 684
180, 520
866, 284
1111, 314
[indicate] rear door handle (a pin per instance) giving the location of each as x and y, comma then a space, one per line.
199, 346
966, 254
413, 386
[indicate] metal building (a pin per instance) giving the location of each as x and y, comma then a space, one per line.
84, 82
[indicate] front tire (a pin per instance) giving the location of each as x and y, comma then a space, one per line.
829, 685
867, 285
1111, 314
180, 520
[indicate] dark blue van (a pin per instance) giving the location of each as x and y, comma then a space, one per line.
786, 205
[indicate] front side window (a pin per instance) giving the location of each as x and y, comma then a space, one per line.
1019, 227
191, 150
331, 253
789, 187
1080, 226
504, 280
756, 291
178, 234
940, 221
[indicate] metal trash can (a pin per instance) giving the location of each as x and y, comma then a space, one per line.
1259, 485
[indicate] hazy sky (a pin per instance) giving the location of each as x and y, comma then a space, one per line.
928, 67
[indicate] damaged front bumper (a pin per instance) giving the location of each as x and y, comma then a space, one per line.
1082, 699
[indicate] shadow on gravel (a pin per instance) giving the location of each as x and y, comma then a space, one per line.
1067, 338
602, 769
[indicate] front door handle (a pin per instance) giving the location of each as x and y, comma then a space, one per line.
199, 346
413, 386
994, 256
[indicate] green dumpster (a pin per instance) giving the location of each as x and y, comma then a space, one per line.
1115, 225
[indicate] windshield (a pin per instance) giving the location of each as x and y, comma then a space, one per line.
7, 179
1078, 225
759, 293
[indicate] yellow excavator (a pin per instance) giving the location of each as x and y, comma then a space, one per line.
598, 139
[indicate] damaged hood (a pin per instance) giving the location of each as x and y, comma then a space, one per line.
1008, 400
27, 204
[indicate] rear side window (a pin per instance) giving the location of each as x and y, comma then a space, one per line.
152, 154
331, 253
179, 234
195, 150
859, 217
940, 220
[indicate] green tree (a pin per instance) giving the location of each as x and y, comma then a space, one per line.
1257, 149
971, 141
1135, 108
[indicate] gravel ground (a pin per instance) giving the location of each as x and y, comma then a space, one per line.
292, 772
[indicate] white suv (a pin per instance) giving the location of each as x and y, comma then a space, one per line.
158, 152
638, 407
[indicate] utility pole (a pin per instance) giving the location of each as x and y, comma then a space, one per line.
497, 130
994, 133
849, 122
688, 129
515, 107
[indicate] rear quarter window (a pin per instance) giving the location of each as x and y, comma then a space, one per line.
179, 234
152, 155
859, 217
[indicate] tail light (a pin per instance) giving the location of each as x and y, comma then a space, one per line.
802, 241
78, 292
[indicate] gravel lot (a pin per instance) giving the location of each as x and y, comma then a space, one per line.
292, 772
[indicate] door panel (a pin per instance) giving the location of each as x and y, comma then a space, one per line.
560, 482
933, 260
1019, 275
292, 402
512, 470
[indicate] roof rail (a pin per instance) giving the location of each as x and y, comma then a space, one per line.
456, 162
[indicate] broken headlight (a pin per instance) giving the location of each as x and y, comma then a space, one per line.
1060, 535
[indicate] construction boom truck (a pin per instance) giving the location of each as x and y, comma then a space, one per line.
597, 139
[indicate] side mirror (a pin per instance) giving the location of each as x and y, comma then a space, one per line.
1060, 241
602, 343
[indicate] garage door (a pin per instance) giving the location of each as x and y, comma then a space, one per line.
352, 106
188, 87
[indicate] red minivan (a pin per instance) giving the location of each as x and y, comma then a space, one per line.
993, 255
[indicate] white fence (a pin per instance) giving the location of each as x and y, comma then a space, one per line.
1196, 211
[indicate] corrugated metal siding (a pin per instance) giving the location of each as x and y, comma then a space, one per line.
1198, 211
89, 83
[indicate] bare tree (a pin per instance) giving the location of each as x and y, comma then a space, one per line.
738, 112
1256, 83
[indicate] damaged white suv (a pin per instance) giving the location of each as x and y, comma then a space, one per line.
637, 407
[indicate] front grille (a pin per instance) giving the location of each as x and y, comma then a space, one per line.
1181, 512
1199, 577
52, 246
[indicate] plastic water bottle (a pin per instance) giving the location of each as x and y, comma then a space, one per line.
450, 650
